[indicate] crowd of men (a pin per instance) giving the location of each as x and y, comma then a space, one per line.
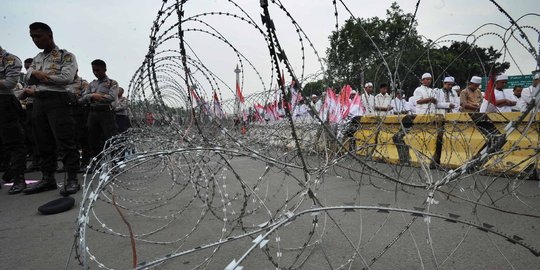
448, 99
50, 111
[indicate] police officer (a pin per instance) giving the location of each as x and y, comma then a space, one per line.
31, 147
51, 72
99, 98
121, 109
80, 114
11, 114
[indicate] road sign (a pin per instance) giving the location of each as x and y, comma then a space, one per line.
523, 80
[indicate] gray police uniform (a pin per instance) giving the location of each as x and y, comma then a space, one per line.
101, 116
52, 113
11, 115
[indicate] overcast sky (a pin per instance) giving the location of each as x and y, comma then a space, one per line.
118, 31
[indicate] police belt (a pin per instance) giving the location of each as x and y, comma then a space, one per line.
100, 108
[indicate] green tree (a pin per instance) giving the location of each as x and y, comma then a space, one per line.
361, 46
315, 87
390, 49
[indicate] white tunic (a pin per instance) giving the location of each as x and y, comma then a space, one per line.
369, 102
520, 106
401, 106
529, 93
443, 102
422, 92
499, 95
382, 101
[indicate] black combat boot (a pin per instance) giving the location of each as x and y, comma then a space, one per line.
72, 184
47, 182
19, 184
8, 176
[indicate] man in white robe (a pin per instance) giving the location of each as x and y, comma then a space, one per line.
425, 96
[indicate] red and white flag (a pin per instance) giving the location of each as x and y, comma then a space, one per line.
489, 103
218, 112
329, 107
357, 108
242, 108
195, 100
344, 102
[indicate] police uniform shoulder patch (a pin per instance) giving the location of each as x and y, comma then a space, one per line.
68, 58
10, 60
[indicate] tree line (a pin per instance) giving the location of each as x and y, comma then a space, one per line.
382, 50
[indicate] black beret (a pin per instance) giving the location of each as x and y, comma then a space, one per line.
57, 206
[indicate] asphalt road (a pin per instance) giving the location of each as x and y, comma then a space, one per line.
182, 220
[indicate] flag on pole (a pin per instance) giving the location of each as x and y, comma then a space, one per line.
490, 103
239, 92
217, 106
242, 101
195, 100
258, 110
344, 101
330, 104
357, 108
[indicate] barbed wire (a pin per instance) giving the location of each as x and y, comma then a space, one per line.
207, 183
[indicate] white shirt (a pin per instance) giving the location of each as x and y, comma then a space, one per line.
520, 106
529, 93
369, 102
401, 106
301, 111
443, 105
422, 92
318, 105
412, 103
499, 95
382, 101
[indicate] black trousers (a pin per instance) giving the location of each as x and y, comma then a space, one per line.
122, 122
54, 129
81, 130
12, 133
101, 127
31, 145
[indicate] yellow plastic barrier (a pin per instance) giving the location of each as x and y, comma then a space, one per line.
366, 135
387, 149
519, 151
450, 140
422, 138
461, 140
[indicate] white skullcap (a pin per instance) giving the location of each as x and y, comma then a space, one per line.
449, 79
426, 75
476, 80
313, 95
353, 92
502, 77
537, 76
368, 85
456, 87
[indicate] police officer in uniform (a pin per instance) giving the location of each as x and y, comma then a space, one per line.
80, 115
51, 72
99, 98
11, 115
31, 147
